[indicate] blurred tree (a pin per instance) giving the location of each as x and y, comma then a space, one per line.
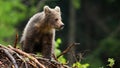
72, 29
73, 5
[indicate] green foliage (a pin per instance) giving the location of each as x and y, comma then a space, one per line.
111, 46
79, 65
57, 44
11, 12
111, 62
110, 1
93, 57
58, 51
76, 3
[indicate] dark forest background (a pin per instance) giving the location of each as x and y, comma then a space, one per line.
95, 24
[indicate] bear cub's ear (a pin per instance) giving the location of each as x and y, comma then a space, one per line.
57, 8
47, 9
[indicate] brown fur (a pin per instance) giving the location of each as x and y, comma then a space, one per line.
38, 35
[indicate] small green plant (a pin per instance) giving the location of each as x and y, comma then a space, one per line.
58, 51
79, 65
111, 62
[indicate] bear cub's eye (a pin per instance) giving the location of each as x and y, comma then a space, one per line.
56, 19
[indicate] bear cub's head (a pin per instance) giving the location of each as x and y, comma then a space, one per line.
53, 17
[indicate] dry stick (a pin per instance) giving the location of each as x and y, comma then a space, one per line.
27, 55
10, 57
16, 40
26, 66
54, 57
34, 65
68, 48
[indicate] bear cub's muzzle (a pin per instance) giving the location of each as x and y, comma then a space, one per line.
62, 26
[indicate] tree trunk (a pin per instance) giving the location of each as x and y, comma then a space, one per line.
71, 35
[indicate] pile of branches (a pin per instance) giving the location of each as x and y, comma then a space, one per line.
11, 57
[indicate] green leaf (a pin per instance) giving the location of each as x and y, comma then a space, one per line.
79, 65
111, 62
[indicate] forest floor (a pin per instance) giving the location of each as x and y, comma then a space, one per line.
11, 57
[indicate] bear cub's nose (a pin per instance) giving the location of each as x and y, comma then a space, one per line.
62, 26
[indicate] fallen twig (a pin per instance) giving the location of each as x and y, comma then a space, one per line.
21, 66
33, 64
67, 49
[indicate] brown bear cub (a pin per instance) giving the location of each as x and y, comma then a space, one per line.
39, 33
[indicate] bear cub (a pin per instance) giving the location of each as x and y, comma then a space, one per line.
39, 33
